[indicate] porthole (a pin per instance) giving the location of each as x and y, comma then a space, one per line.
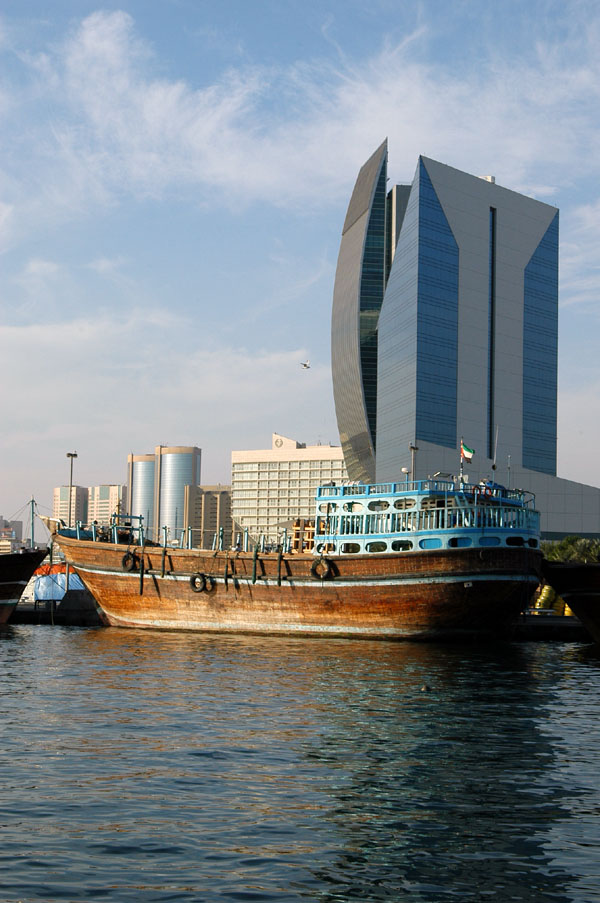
377, 546
430, 502
324, 547
459, 542
489, 541
533, 543
378, 505
430, 543
327, 507
403, 504
401, 545
350, 548
514, 541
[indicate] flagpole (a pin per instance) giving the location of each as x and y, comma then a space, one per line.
461, 463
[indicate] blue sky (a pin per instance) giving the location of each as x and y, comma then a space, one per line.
174, 175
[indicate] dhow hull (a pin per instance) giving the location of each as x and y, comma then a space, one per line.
423, 595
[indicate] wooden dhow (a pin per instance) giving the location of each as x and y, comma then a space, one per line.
421, 560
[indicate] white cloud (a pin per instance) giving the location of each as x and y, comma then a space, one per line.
6, 213
41, 269
92, 126
297, 134
579, 260
107, 385
105, 266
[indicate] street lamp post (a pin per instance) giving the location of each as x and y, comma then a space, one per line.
71, 455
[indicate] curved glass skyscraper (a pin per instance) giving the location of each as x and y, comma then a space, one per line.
445, 326
357, 299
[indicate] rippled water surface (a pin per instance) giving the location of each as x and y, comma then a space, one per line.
153, 766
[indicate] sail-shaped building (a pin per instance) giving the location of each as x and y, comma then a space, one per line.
445, 327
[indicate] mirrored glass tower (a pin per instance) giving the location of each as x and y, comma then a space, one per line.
445, 326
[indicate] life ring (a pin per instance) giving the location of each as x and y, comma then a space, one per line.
487, 492
321, 569
129, 561
198, 583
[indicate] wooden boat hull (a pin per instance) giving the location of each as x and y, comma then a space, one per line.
423, 595
16, 570
579, 585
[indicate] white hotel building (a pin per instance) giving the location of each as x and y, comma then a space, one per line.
271, 488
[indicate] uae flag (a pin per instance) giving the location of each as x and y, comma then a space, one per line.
465, 452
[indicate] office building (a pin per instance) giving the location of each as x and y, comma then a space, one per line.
11, 532
207, 511
104, 501
271, 488
11, 529
156, 488
140, 489
78, 508
445, 327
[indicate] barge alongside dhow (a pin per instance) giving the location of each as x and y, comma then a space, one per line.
430, 559
16, 570
578, 584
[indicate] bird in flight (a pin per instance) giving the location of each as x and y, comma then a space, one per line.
305, 365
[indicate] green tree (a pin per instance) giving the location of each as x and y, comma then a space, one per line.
572, 548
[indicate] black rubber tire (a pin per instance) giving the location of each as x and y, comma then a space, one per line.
129, 561
321, 569
198, 583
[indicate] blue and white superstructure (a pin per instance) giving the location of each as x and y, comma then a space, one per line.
423, 515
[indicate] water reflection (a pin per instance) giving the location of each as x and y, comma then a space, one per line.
188, 766
439, 792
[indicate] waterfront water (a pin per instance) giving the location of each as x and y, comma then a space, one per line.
153, 766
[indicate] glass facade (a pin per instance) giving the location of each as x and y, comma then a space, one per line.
418, 334
407, 369
397, 336
178, 469
540, 354
491, 333
372, 285
357, 298
142, 491
437, 320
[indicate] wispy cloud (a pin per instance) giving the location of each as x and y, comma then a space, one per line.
115, 127
91, 123
126, 372
580, 257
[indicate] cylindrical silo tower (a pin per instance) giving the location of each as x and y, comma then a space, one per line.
140, 489
175, 468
